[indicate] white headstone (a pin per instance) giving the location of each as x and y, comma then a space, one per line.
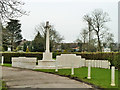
113, 76
89, 71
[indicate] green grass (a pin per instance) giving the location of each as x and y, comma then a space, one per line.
3, 85
7, 65
99, 77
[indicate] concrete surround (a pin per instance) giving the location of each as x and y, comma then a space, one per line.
62, 61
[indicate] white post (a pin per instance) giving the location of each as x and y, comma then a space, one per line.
89, 70
56, 70
2, 60
72, 70
109, 65
113, 76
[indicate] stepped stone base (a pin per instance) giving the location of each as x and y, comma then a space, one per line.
47, 56
46, 64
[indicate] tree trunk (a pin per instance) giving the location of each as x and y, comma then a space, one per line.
89, 38
99, 43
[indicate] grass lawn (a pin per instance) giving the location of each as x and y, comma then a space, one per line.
2, 85
99, 77
7, 65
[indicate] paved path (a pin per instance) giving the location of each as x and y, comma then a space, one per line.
22, 78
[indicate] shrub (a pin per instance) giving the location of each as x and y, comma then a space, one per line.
115, 61
27, 50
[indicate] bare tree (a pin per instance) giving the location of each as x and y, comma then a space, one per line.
55, 37
88, 19
84, 35
108, 39
11, 9
84, 39
98, 19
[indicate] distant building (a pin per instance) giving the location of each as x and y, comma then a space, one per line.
23, 41
106, 50
69, 47
114, 47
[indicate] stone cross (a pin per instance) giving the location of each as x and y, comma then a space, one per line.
47, 27
113, 76
89, 71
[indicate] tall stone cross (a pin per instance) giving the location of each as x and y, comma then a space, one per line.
47, 27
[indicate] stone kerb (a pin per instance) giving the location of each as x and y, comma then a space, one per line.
67, 60
24, 62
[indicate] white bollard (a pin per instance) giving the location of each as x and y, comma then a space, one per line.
89, 71
2, 60
72, 73
56, 68
72, 70
113, 76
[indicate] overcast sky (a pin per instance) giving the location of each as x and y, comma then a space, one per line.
66, 16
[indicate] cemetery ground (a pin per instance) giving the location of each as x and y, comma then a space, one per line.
25, 79
100, 78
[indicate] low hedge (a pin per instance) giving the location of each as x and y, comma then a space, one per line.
9, 55
91, 55
111, 56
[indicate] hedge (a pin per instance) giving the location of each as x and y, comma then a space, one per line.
111, 56
9, 55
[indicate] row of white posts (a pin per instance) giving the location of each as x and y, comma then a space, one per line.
89, 73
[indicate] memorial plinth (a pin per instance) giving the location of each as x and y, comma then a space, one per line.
47, 62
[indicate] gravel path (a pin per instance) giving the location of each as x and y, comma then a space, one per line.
23, 78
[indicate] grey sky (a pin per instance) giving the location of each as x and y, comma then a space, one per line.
66, 16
